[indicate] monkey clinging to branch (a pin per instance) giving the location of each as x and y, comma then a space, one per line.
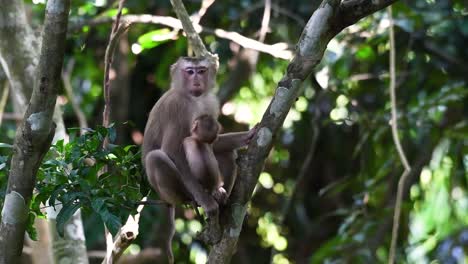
200, 157
170, 122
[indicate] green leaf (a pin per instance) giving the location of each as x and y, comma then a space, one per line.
153, 38
365, 53
97, 204
55, 194
65, 214
113, 12
112, 222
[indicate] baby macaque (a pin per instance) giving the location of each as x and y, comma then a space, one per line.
201, 158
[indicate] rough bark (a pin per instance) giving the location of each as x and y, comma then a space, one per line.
120, 92
327, 21
36, 131
18, 49
21, 63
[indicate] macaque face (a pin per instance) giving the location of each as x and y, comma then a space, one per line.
196, 79
194, 75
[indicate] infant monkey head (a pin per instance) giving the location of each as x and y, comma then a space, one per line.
205, 128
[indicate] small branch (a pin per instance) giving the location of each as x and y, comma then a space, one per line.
192, 36
265, 21
277, 8
4, 99
351, 11
113, 250
396, 139
117, 31
278, 50
204, 7
12, 116
127, 234
151, 202
66, 78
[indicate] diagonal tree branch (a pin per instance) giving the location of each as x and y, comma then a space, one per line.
351, 11
192, 35
323, 25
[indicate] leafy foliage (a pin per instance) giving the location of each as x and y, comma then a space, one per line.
73, 176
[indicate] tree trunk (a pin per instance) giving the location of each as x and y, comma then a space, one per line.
71, 247
20, 64
36, 131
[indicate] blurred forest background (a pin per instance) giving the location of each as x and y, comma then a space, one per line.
328, 188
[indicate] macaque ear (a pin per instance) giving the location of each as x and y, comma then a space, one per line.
174, 67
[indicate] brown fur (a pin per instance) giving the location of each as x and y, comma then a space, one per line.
169, 123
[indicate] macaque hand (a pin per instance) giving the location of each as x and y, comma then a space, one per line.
209, 205
252, 132
220, 195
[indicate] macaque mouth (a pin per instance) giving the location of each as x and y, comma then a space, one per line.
196, 93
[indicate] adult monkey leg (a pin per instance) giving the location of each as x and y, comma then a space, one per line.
162, 175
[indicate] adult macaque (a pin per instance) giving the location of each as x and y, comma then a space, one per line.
201, 159
169, 123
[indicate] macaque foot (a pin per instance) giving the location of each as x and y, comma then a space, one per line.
211, 233
220, 195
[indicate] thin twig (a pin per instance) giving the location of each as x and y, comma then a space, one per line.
204, 7
265, 21
66, 78
396, 139
277, 8
4, 99
114, 36
12, 116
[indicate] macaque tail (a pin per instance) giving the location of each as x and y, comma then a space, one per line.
171, 218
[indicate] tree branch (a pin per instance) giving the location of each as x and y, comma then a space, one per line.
3, 98
396, 139
35, 133
127, 234
351, 11
66, 78
192, 35
114, 249
323, 25
278, 50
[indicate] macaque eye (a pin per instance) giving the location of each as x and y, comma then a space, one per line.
190, 71
201, 71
